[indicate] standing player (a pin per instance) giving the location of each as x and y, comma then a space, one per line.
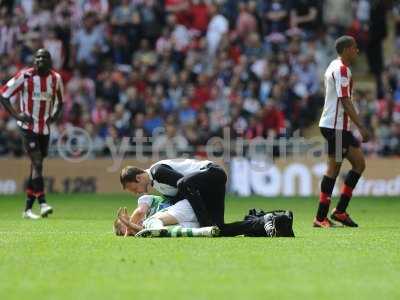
335, 127
40, 91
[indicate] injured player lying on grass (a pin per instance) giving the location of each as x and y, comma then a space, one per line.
154, 217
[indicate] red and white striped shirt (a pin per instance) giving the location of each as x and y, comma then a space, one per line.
338, 85
39, 96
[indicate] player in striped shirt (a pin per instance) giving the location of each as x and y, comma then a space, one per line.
40, 93
335, 125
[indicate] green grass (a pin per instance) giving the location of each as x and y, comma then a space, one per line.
74, 255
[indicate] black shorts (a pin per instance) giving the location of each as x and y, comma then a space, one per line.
339, 138
35, 142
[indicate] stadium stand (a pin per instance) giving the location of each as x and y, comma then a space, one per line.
193, 68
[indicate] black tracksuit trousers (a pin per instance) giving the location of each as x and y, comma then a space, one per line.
205, 191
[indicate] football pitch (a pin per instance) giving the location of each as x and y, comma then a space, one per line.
74, 255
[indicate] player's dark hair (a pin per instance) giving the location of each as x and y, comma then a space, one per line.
343, 42
128, 174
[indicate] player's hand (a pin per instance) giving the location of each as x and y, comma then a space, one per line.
49, 121
24, 118
123, 217
123, 213
365, 135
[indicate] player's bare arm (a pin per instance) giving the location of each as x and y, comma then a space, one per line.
139, 214
56, 114
123, 226
350, 110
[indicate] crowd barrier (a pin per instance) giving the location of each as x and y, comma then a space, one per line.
291, 177
302, 177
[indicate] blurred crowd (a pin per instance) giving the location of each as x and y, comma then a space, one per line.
180, 71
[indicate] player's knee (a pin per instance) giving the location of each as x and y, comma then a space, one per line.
334, 173
360, 166
38, 163
37, 166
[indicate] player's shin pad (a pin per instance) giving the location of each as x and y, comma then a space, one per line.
178, 231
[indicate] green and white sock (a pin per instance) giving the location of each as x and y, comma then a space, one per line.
179, 231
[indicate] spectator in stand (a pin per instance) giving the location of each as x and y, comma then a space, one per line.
100, 7
273, 120
199, 16
203, 129
80, 89
201, 92
275, 16
180, 35
153, 122
10, 33
136, 128
55, 47
255, 128
337, 16
41, 18
62, 27
246, 22
89, 44
253, 49
152, 20
120, 49
304, 15
217, 27
99, 114
123, 16
180, 9
133, 103
187, 115
145, 55
171, 141
376, 34
31, 44
206, 64
396, 18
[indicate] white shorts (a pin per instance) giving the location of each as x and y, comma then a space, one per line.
183, 212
